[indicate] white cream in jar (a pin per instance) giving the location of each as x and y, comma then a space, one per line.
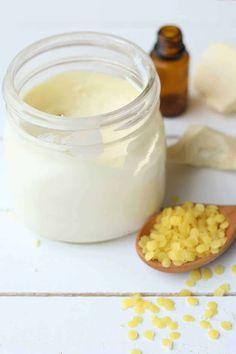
81, 94
78, 176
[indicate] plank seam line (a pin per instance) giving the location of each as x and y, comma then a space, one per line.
101, 294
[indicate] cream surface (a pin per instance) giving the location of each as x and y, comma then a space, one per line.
81, 94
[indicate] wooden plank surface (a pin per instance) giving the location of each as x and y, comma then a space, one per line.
98, 325
65, 299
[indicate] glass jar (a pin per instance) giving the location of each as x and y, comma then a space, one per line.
92, 178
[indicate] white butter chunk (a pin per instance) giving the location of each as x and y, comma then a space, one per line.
204, 146
215, 77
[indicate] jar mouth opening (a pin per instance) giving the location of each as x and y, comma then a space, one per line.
44, 119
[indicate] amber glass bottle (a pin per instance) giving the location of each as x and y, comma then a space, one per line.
171, 60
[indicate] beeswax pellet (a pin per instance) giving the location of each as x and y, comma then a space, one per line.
222, 290
219, 269
166, 262
168, 304
127, 303
173, 325
135, 322
168, 343
219, 292
188, 318
133, 335
226, 325
195, 275
153, 308
226, 287
200, 207
206, 273
135, 351
150, 335
175, 335
212, 305
139, 309
213, 334
158, 322
205, 324
209, 313
185, 292
224, 225
233, 268
167, 320
190, 283
149, 256
193, 301
131, 301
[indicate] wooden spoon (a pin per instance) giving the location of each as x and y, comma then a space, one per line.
230, 215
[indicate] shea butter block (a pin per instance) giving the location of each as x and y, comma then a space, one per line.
215, 77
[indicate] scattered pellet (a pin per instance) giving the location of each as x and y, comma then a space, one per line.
188, 318
133, 335
173, 325
190, 282
193, 301
167, 304
213, 334
219, 269
135, 321
135, 351
205, 324
211, 310
149, 334
206, 273
168, 343
233, 268
222, 290
175, 335
158, 322
226, 325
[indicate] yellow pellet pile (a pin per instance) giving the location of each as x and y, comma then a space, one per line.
136, 302
185, 233
166, 323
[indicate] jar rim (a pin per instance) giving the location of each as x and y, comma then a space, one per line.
45, 119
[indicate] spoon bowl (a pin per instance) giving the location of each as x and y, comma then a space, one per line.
229, 213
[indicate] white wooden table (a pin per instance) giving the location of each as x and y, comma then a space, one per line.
61, 298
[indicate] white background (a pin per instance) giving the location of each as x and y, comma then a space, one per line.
62, 298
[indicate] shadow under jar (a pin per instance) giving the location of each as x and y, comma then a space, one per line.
84, 179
